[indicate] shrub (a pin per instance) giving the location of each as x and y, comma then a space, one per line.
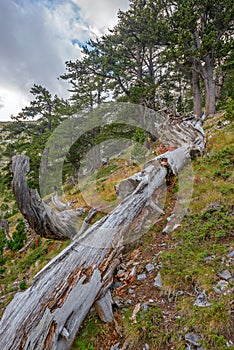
18, 237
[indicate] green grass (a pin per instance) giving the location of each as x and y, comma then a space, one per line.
87, 337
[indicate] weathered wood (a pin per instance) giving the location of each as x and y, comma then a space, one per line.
40, 216
104, 307
60, 206
49, 313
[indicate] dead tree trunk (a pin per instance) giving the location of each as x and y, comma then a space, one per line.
49, 313
42, 219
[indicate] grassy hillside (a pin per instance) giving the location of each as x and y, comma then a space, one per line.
189, 262
157, 288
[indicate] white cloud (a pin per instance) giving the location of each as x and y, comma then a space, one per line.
36, 40
13, 101
100, 14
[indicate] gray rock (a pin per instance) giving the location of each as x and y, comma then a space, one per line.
141, 277
145, 306
179, 293
231, 254
146, 347
193, 338
158, 281
226, 275
149, 267
117, 284
131, 291
201, 300
229, 343
209, 258
119, 302
221, 286
120, 272
115, 347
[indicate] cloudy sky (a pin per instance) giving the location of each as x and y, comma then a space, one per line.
38, 36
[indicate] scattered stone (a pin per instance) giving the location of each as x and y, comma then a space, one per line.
115, 347
131, 291
193, 338
118, 302
231, 254
221, 286
151, 300
116, 284
120, 273
201, 300
229, 343
209, 258
15, 284
226, 275
179, 292
224, 123
141, 277
146, 347
171, 298
149, 267
158, 281
145, 306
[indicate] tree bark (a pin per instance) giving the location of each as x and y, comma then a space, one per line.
40, 216
209, 82
49, 313
95, 158
196, 89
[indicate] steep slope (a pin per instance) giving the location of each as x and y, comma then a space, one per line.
162, 276
175, 291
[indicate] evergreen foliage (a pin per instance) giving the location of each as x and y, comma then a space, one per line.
18, 237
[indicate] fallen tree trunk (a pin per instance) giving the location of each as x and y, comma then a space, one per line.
49, 313
40, 216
